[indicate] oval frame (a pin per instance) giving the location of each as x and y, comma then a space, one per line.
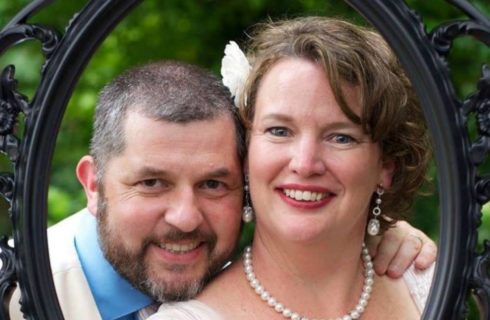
460, 268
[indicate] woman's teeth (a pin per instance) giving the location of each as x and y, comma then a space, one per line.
301, 195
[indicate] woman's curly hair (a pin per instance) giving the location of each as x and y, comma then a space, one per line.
359, 56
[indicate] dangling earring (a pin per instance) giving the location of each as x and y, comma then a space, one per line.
373, 224
247, 211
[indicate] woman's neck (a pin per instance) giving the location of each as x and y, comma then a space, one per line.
305, 275
311, 258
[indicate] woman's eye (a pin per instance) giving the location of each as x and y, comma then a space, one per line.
278, 131
340, 138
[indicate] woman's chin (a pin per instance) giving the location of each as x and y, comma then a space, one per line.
305, 231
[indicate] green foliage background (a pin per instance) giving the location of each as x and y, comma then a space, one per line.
195, 31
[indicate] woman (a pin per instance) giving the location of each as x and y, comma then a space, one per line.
337, 146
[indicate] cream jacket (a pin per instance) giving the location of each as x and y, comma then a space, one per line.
74, 295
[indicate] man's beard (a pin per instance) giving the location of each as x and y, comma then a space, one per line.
131, 264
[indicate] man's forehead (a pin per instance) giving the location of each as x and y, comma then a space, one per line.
173, 115
222, 120
152, 139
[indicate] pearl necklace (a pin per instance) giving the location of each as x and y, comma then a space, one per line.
288, 313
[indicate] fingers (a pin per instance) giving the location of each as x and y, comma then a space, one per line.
386, 250
372, 243
427, 255
407, 252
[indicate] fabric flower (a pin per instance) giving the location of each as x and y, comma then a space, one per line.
234, 70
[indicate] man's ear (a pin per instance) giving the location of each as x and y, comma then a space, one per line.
86, 174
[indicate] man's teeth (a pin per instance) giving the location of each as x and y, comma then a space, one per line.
305, 195
179, 248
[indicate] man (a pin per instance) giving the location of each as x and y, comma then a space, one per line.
164, 193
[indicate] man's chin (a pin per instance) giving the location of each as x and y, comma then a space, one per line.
176, 289
179, 282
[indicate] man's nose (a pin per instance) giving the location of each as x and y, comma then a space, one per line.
307, 158
185, 213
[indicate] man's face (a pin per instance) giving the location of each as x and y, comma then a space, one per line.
169, 205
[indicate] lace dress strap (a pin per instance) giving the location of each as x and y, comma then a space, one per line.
418, 283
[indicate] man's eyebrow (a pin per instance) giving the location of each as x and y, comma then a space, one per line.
151, 171
219, 173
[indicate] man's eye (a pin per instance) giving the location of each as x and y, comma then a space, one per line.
278, 131
212, 184
151, 183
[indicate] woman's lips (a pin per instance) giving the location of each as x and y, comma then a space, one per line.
305, 197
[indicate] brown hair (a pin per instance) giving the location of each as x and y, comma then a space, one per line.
390, 112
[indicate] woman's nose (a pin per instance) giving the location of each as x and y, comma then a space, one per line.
307, 158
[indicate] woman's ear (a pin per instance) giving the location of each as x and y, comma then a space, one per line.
87, 175
387, 173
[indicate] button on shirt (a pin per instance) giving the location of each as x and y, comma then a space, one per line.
115, 297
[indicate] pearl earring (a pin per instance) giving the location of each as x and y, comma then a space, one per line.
247, 211
374, 224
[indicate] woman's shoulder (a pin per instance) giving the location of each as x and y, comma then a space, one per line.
227, 292
187, 310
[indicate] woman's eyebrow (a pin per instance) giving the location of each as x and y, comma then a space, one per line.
341, 124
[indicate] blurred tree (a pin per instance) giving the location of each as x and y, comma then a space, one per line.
195, 31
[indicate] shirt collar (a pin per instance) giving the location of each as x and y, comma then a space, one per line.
115, 297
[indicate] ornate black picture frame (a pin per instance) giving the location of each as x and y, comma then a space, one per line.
460, 270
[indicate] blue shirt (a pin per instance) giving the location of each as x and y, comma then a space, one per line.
115, 297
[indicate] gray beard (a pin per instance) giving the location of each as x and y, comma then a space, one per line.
132, 266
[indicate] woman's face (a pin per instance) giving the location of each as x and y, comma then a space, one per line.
312, 171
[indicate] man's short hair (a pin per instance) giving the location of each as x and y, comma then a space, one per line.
167, 90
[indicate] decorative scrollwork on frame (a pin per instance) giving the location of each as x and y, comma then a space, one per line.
481, 277
48, 37
483, 189
478, 104
7, 186
444, 36
478, 26
7, 272
11, 104
18, 30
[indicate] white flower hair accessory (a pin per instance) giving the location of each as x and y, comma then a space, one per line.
234, 70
